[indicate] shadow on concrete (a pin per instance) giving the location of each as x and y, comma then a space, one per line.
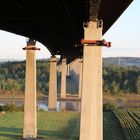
72, 83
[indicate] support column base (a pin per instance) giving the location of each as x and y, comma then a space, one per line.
52, 109
29, 137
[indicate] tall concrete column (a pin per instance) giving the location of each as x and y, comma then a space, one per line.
80, 78
69, 67
63, 78
52, 100
91, 125
68, 70
63, 106
29, 125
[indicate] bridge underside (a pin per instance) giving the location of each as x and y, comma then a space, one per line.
58, 24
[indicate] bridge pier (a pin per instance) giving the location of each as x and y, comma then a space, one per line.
29, 124
63, 106
68, 69
80, 78
52, 98
63, 78
91, 125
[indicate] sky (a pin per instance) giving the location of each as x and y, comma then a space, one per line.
124, 35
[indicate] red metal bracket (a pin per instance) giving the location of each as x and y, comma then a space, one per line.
32, 48
96, 42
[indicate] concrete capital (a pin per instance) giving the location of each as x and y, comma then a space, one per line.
64, 60
92, 31
94, 24
31, 45
53, 59
81, 60
31, 48
31, 42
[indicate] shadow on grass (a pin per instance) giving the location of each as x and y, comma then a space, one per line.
10, 132
67, 133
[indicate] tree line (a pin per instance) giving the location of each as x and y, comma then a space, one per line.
121, 80
12, 76
116, 79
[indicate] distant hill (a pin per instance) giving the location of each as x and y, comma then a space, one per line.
122, 61
18, 60
9, 60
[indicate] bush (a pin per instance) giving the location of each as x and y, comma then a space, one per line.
1, 108
12, 108
107, 107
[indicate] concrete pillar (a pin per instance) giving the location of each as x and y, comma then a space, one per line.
68, 70
69, 67
80, 77
63, 78
52, 100
91, 125
29, 124
63, 105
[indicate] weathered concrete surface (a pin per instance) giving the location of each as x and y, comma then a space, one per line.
80, 78
91, 125
52, 99
75, 70
63, 78
72, 77
68, 69
30, 126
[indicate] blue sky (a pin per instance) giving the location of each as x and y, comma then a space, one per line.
124, 35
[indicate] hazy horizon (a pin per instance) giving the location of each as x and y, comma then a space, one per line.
58, 57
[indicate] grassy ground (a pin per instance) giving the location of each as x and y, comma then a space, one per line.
57, 126
130, 123
51, 126
112, 129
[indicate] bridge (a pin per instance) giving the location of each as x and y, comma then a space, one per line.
60, 25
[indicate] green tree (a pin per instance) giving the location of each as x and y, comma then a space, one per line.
138, 85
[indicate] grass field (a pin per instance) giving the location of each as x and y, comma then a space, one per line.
51, 126
112, 128
130, 122
65, 125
